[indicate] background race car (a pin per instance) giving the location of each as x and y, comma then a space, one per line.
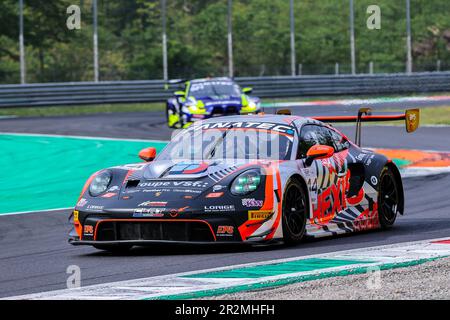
205, 98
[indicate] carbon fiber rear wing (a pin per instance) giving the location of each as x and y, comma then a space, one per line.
411, 118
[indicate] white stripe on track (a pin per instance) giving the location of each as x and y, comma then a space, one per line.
80, 137
34, 211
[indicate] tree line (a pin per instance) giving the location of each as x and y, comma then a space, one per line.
130, 38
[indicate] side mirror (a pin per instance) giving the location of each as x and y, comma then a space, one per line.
147, 154
247, 90
318, 151
179, 94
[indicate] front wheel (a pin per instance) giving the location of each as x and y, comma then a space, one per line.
173, 118
388, 198
295, 212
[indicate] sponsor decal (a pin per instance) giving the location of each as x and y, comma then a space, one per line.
159, 191
109, 195
148, 212
374, 180
247, 125
369, 160
214, 195
259, 214
221, 208
88, 230
218, 187
153, 204
94, 208
333, 199
187, 191
252, 202
113, 188
82, 202
360, 156
174, 212
189, 168
225, 230
157, 194
75, 216
174, 184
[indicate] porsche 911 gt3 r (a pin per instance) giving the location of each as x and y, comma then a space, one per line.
243, 179
206, 98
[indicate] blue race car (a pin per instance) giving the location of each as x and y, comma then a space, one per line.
210, 97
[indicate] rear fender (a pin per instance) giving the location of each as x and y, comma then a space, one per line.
373, 174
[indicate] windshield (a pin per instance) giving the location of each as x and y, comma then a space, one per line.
214, 89
231, 140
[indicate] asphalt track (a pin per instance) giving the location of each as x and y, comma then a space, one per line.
34, 253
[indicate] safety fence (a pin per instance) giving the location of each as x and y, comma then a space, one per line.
77, 93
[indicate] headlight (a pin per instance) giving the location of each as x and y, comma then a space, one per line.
100, 183
246, 182
194, 106
252, 105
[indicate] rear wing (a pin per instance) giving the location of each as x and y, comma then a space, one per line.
411, 118
174, 82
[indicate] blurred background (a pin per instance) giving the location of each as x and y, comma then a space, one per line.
219, 37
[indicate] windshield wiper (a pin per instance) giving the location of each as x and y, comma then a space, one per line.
214, 147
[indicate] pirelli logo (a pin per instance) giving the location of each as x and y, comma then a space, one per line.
259, 214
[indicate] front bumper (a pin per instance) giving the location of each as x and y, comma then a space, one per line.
77, 242
100, 229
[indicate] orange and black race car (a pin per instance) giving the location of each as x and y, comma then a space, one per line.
244, 179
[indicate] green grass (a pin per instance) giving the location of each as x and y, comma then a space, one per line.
351, 97
439, 115
435, 115
81, 109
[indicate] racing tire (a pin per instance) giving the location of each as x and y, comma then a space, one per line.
388, 198
114, 248
171, 113
294, 212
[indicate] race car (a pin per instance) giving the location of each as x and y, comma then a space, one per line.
244, 179
206, 98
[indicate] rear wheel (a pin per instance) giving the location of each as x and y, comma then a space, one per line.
295, 212
114, 248
388, 198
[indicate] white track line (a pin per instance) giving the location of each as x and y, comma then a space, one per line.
79, 137
34, 211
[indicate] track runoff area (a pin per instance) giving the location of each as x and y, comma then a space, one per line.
262, 275
27, 155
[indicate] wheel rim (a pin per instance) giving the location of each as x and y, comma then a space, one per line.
294, 210
388, 197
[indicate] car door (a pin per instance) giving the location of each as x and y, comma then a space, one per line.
325, 177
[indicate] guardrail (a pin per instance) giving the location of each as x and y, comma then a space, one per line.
73, 93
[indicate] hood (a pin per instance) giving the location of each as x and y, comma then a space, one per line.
220, 101
175, 180
164, 186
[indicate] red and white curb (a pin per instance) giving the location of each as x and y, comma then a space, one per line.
177, 285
